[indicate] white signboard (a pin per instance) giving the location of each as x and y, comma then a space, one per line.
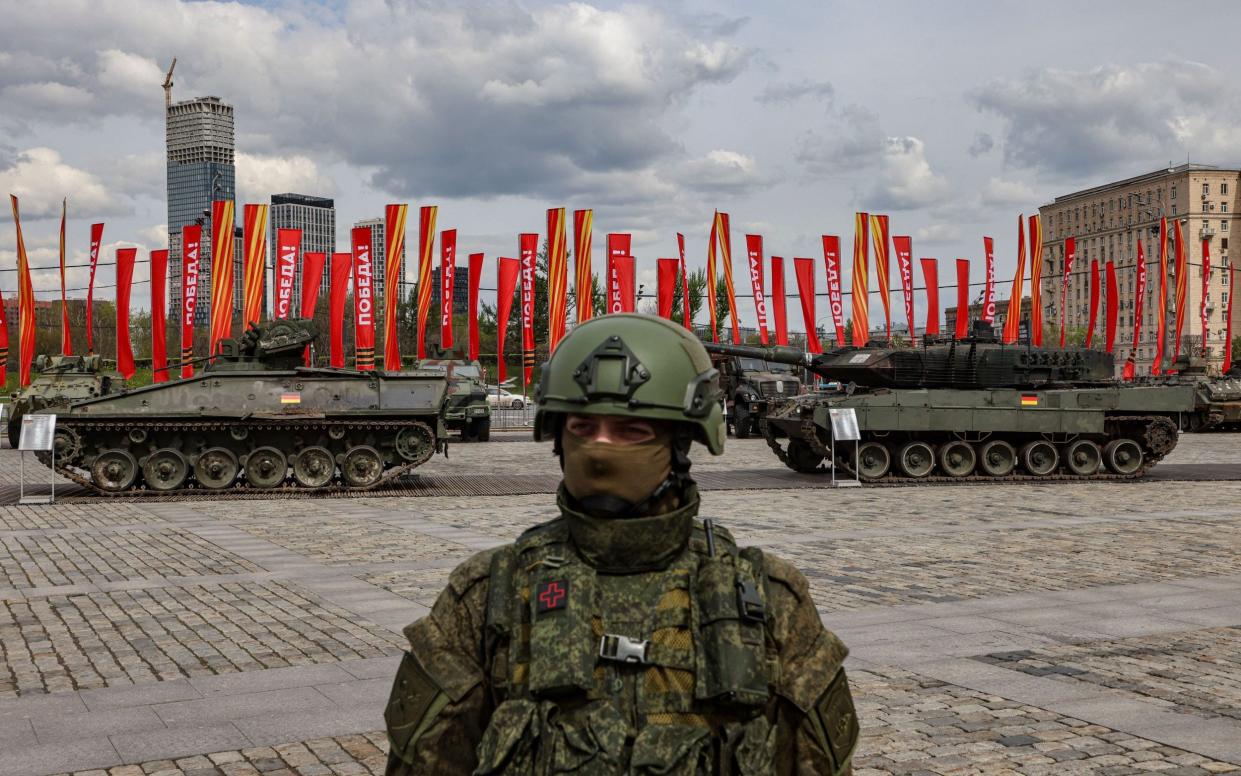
844, 425
37, 431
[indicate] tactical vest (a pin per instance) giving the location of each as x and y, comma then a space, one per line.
664, 672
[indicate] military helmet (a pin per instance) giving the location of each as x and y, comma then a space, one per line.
638, 366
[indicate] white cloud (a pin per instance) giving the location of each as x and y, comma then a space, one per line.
722, 171
40, 179
905, 179
937, 234
1005, 193
258, 177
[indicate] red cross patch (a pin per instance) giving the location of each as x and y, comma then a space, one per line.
552, 595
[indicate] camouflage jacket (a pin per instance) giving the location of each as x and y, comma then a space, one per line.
541, 658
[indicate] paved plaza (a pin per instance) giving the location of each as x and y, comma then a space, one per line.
995, 629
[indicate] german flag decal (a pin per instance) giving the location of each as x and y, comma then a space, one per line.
290, 398
1029, 400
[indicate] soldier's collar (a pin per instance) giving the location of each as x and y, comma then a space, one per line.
632, 544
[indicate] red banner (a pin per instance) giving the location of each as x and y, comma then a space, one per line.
988, 293
1182, 286
930, 278
222, 259
778, 303
583, 283
312, 277
191, 249
1206, 289
557, 276
879, 234
66, 340
159, 316
963, 299
620, 244
124, 283
711, 279
1113, 298
835, 300
448, 276
253, 263
626, 275
1036, 282
1232, 292
804, 269
903, 246
25, 303
861, 283
475, 280
1094, 300
666, 287
1070, 251
528, 245
96, 239
1012, 322
754, 253
1161, 310
685, 311
363, 300
288, 247
394, 253
338, 290
4, 343
1139, 294
426, 242
506, 277
726, 258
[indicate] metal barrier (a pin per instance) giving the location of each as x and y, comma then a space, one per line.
510, 418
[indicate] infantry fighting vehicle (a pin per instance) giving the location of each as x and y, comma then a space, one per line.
1217, 399
255, 418
750, 385
58, 381
466, 410
976, 409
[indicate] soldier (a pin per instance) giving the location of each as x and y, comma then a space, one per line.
625, 636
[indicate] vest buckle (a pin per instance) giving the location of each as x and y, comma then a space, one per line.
749, 602
622, 649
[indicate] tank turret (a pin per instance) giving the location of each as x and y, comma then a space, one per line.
275, 345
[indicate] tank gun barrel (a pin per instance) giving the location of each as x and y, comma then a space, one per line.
776, 354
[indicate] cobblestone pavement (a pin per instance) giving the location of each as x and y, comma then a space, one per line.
1006, 629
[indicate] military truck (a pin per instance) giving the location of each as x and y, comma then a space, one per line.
58, 381
751, 385
466, 411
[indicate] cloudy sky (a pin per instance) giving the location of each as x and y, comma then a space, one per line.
953, 117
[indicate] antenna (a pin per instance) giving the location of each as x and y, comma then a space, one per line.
168, 84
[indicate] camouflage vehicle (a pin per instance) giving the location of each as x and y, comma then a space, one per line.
976, 409
255, 418
466, 411
1217, 399
58, 381
751, 385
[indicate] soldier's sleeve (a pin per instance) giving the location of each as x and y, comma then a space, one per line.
817, 726
439, 706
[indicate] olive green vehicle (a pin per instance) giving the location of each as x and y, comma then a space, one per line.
255, 418
59, 381
466, 410
750, 386
1217, 399
976, 409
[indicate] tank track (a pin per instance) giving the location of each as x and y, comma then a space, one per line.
390, 474
1158, 444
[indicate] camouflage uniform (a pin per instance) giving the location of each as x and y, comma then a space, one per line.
644, 645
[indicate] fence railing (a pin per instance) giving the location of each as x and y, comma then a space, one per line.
509, 418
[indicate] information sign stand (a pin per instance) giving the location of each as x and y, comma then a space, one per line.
37, 434
845, 429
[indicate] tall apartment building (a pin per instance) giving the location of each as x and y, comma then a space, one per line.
460, 290
316, 217
200, 145
1107, 222
378, 232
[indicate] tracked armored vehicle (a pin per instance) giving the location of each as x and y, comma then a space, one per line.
59, 381
255, 418
1217, 399
975, 409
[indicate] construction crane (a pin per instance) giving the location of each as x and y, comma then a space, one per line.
168, 85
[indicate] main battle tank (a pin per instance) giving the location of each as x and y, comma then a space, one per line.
973, 408
59, 381
255, 417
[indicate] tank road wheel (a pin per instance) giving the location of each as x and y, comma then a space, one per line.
1083, 457
216, 468
802, 458
313, 467
997, 458
874, 460
114, 470
362, 466
416, 443
1123, 456
1039, 457
68, 445
266, 467
916, 459
165, 469
957, 458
